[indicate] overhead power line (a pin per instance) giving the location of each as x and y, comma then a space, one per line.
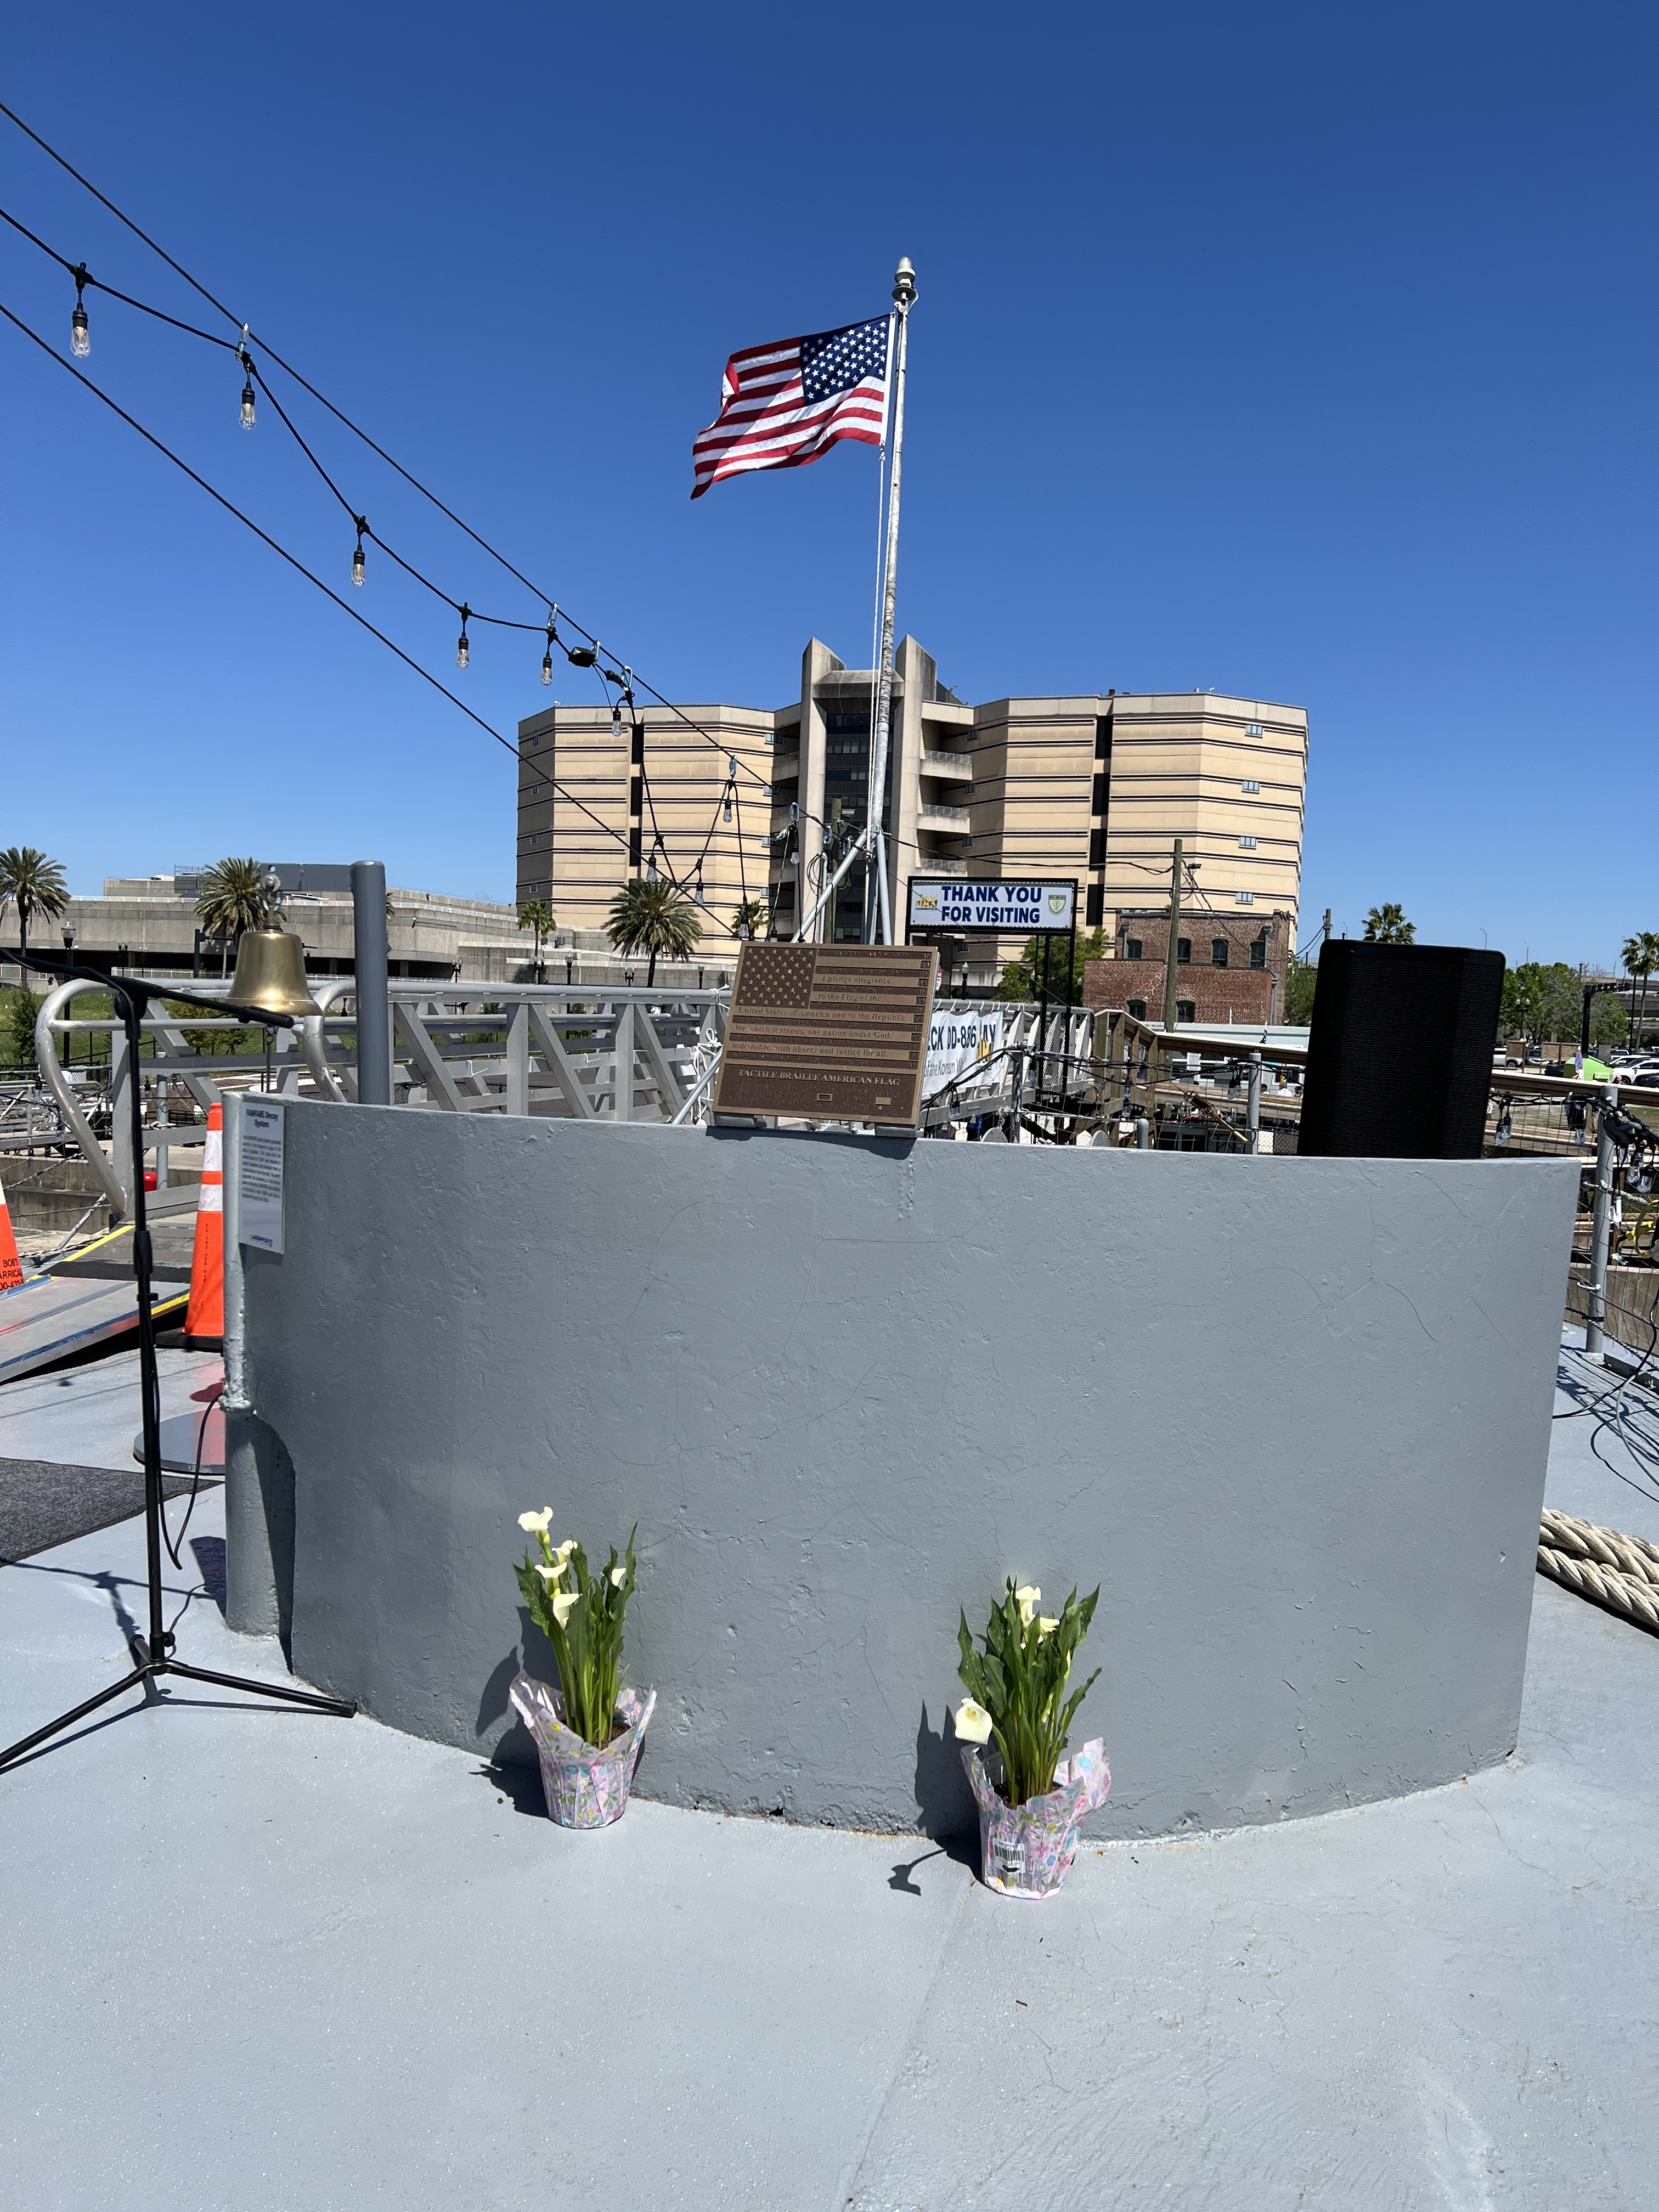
294, 562
248, 335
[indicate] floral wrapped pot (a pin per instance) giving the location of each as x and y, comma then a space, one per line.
585, 1787
1027, 1850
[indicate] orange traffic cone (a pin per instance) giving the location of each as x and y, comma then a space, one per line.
204, 1320
11, 1267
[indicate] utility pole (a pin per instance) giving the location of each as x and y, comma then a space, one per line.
1175, 925
1326, 932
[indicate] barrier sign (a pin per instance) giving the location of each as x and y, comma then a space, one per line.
959, 1040
955, 902
828, 1032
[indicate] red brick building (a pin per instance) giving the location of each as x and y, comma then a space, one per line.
1227, 969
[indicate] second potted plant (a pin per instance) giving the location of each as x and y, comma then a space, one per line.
588, 1731
1028, 1815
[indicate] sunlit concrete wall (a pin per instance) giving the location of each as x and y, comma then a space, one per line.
1290, 1415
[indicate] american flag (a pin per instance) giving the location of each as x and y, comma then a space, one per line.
782, 405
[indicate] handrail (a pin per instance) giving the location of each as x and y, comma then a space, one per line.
46, 1058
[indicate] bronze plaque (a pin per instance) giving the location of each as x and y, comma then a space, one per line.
828, 1032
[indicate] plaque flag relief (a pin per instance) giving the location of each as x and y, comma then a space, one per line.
829, 1032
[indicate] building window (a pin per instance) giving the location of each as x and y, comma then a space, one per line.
1259, 953
1253, 729
1243, 898
1250, 784
1218, 952
1247, 844
1098, 799
1097, 848
1138, 1008
1183, 952
1185, 1011
1096, 912
1132, 948
535, 840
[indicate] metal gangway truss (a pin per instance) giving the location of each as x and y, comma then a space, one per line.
578, 1051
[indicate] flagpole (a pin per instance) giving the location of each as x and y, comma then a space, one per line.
873, 844
904, 293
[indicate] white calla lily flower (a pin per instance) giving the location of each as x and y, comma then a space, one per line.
548, 1574
1026, 1600
563, 1603
563, 1550
537, 1523
618, 1576
973, 1723
1047, 1623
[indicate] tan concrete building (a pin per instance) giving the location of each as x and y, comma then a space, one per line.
1094, 786
149, 924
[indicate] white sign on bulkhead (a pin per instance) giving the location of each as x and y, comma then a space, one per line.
259, 1185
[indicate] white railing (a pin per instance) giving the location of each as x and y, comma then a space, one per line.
577, 1051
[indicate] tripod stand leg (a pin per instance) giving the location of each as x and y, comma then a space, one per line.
343, 1706
67, 1720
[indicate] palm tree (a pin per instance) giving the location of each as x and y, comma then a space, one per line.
536, 914
33, 884
1386, 925
1640, 957
748, 920
653, 918
232, 897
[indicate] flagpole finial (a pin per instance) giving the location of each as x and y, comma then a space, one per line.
904, 282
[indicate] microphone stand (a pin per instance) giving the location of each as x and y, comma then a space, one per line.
153, 1654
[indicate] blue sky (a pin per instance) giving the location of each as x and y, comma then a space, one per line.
1303, 352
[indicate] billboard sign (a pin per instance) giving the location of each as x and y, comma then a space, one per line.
961, 1039
956, 903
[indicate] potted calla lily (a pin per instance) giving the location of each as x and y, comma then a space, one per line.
588, 1731
1031, 1811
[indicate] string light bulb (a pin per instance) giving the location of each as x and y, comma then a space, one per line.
246, 360
616, 718
699, 898
462, 650
552, 640
357, 557
728, 802
547, 666
80, 337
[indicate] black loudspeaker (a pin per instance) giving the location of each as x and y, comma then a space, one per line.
1399, 1054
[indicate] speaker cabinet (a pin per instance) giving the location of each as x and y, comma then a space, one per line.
1400, 1054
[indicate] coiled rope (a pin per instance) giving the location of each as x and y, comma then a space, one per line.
1619, 1573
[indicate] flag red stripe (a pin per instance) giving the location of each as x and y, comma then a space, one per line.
765, 423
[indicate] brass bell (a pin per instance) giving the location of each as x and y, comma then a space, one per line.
270, 974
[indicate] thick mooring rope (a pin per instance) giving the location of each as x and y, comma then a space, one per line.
1620, 1573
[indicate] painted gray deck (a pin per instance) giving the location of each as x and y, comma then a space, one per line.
375, 1980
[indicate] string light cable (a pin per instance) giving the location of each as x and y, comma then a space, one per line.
580, 656
356, 430
265, 537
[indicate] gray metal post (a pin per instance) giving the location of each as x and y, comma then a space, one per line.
1253, 1110
127, 1169
1143, 1134
624, 1102
518, 1060
1600, 1222
369, 969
